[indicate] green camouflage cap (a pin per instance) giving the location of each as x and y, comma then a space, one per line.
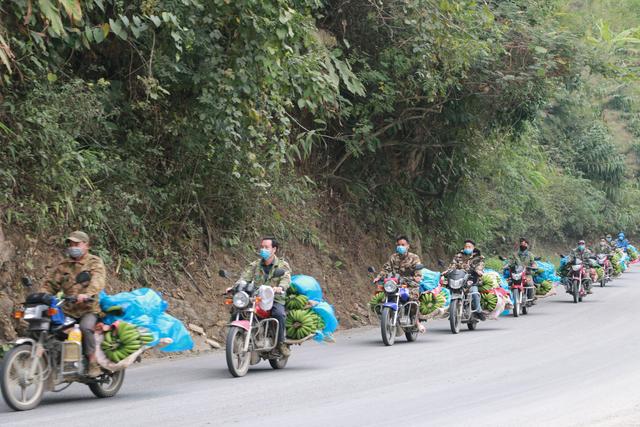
78, 236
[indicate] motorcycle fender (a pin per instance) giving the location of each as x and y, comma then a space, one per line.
392, 305
21, 341
244, 324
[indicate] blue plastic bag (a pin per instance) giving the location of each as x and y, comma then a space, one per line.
328, 315
549, 272
430, 280
308, 286
145, 308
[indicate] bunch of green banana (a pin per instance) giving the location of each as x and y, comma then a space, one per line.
544, 288
127, 341
430, 302
615, 263
376, 300
488, 302
489, 281
633, 253
301, 323
296, 302
600, 272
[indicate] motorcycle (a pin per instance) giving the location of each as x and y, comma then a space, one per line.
459, 283
398, 312
522, 292
605, 263
43, 359
578, 281
252, 334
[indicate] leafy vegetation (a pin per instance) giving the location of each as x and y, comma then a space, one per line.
155, 124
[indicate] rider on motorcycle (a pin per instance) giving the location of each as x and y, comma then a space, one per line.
622, 242
405, 264
261, 273
401, 262
62, 279
581, 252
471, 260
526, 259
603, 247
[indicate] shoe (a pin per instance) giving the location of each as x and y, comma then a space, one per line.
284, 349
94, 369
480, 315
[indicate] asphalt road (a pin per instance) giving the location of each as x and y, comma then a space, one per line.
563, 364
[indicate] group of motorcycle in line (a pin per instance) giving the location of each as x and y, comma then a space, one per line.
44, 359
399, 313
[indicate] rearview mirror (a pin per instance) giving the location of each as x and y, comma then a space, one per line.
370, 269
501, 258
26, 282
279, 272
222, 273
83, 277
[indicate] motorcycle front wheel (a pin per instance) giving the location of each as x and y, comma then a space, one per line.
387, 328
516, 302
455, 315
237, 360
575, 287
21, 391
109, 386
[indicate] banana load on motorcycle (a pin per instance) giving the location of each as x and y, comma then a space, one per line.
579, 271
476, 294
397, 295
271, 310
69, 338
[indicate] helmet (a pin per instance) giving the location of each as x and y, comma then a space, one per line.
621, 236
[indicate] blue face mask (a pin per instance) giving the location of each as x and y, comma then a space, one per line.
467, 251
265, 254
75, 252
581, 248
401, 249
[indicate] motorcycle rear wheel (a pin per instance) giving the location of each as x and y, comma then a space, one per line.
411, 335
387, 330
472, 325
237, 360
110, 387
14, 370
279, 363
454, 316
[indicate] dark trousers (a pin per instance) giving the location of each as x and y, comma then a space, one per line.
87, 326
278, 313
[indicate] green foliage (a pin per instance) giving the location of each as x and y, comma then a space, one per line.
158, 125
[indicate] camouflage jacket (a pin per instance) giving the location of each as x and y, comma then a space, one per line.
473, 263
63, 279
603, 248
584, 255
404, 265
263, 275
524, 258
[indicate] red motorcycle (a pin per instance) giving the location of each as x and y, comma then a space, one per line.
578, 280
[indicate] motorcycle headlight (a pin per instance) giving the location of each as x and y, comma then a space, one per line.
456, 284
516, 276
240, 300
576, 267
390, 286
